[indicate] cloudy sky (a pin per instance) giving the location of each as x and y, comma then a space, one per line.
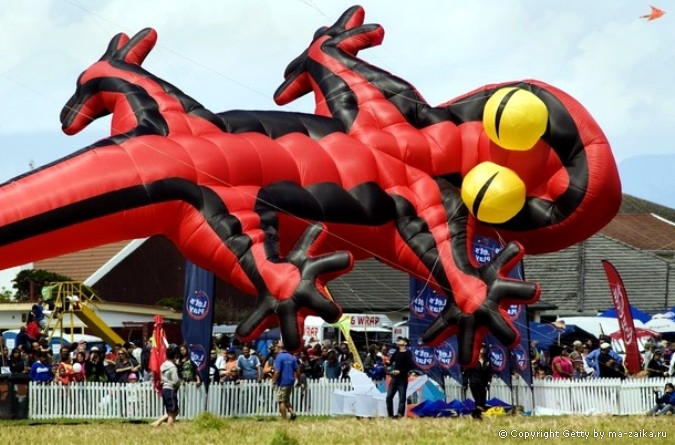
231, 55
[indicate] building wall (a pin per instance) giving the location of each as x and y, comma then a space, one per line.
156, 270
575, 281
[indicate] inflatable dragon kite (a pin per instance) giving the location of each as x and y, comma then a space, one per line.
279, 203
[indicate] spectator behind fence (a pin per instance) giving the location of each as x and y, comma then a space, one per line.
81, 347
23, 339
64, 371
228, 368
94, 370
268, 366
647, 354
123, 367
41, 371
315, 370
39, 314
562, 365
656, 367
78, 368
249, 365
213, 373
16, 363
187, 369
4, 360
609, 367
592, 357
665, 403
384, 353
33, 328
331, 366
371, 358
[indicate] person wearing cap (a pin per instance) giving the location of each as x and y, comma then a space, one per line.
285, 370
592, 358
400, 364
94, 369
608, 367
656, 366
228, 369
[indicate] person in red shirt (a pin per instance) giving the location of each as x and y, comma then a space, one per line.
562, 365
33, 328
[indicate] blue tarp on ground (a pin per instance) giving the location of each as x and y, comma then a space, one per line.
439, 408
497, 402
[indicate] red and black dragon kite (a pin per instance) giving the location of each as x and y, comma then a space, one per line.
279, 203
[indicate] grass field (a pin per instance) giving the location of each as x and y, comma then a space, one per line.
329, 430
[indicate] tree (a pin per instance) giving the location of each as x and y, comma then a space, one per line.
22, 282
171, 302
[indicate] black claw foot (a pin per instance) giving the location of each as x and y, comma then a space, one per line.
491, 315
309, 297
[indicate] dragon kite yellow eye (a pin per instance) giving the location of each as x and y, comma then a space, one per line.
494, 194
514, 118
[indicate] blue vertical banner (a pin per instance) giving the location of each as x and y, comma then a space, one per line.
507, 361
197, 324
440, 361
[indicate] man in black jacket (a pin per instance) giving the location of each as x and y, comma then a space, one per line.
400, 364
478, 380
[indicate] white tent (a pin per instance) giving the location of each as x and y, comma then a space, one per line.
661, 325
598, 325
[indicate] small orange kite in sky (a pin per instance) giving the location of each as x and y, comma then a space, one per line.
655, 14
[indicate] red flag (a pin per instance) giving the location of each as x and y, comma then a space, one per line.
158, 352
624, 316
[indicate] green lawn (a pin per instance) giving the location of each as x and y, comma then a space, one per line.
329, 430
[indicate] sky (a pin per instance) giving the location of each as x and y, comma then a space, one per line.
231, 55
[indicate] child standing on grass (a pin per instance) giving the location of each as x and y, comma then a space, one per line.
170, 384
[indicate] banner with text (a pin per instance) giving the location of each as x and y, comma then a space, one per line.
624, 316
197, 324
505, 361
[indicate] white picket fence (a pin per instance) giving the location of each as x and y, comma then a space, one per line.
553, 397
139, 401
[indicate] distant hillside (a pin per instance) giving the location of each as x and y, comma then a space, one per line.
651, 177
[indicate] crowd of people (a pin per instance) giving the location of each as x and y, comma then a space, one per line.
589, 359
584, 360
233, 362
